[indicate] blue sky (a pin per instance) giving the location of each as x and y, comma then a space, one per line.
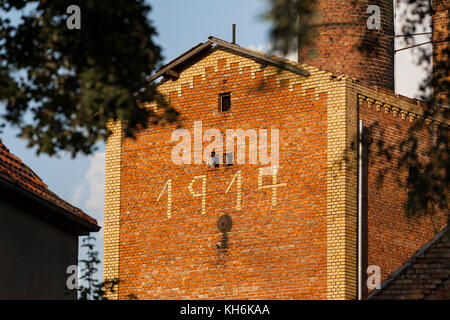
181, 25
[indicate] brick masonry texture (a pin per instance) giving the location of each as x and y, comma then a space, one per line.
112, 204
390, 237
295, 241
272, 251
441, 48
425, 276
344, 45
267, 247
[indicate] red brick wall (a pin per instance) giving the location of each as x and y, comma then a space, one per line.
344, 44
390, 236
426, 276
293, 249
441, 48
274, 252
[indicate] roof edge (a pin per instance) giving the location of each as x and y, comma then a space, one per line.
266, 59
258, 56
408, 263
180, 59
77, 223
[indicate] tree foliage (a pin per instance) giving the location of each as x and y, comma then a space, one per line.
91, 288
62, 86
290, 22
428, 180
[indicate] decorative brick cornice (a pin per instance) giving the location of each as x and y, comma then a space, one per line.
411, 112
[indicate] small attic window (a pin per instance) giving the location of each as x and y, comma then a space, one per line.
224, 102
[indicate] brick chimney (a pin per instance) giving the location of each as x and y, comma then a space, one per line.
441, 47
345, 45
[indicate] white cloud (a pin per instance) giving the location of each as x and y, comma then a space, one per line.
96, 181
90, 197
260, 47
77, 195
90, 194
293, 56
408, 74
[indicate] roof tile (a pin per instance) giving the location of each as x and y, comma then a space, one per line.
424, 276
12, 169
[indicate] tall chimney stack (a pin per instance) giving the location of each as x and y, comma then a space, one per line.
344, 44
441, 48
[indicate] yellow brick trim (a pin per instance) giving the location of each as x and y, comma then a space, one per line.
112, 204
341, 192
341, 176
318, 80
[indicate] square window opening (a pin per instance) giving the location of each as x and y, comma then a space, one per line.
225, 102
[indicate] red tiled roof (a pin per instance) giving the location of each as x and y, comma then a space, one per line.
12, 169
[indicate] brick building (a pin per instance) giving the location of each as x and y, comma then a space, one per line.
441, 48
237, 230
423, 276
